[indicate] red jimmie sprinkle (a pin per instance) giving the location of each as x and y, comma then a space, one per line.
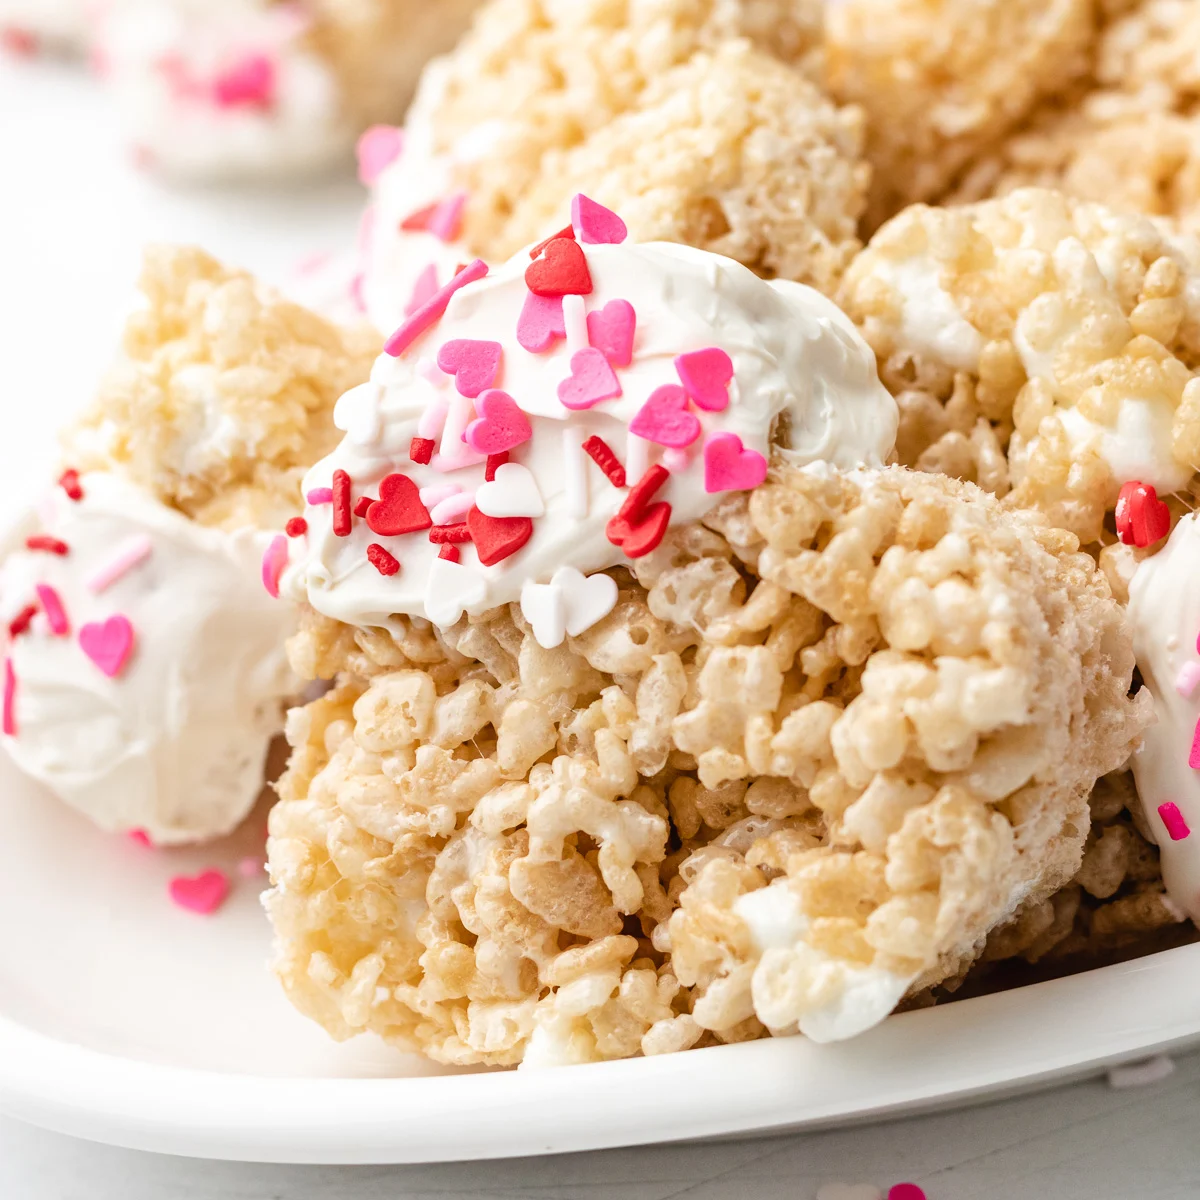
381, 560
69, 482
603, 456
296, 527
420, 450
449, 553
567, 232
442, 535
643, 491
42, 542
361, 505
341, 504
493, 464
20, 623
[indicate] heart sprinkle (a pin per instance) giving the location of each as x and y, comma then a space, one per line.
568, 231
420, 450
587, 599
643, 491
497, 538
541, 322
601, 453
10, 699
905, 1191
109, 644
706, 375
596, 224
51, 545
473, 364
399, 509
1173, 821
342, 512
500, 425
1142, 518
611, 330
729, 467
274, 560
202, 894
69, 482
52, 606
561, 270
592, 380
451, 590
513, 493
638, 536
666, 419
385, 563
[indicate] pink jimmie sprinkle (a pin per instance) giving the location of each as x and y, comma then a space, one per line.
10, 699
905, 1191
249, 83
53, 608
203, 893
320, 496
274, 560
1172, 818
432, 309
445, 222
127, 556
433, 495
378, 148
452, 508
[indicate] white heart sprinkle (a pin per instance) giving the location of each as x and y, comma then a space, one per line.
542, 604
586, 598
513, 493
357, 413
451, 589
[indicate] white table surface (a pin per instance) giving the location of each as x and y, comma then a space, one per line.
1085, 1142
71, 222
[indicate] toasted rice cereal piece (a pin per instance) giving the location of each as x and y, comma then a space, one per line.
935, 88
497, 853
1043, 347
224, 393
1132, 142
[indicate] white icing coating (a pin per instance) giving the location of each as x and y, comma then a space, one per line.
1164, 608
175, 743
846, 1000
793, 353
1139, 448
164, 61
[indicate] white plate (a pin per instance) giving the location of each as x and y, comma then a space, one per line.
126, 1020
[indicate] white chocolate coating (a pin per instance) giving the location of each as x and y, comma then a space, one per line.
793, 353
1164, 608
175, 744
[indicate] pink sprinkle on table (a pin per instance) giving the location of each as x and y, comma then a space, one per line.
905, 1191
127, 556
433, 308
1174, 821
320, 496
249, 83
203, 893
10, 699
52, 606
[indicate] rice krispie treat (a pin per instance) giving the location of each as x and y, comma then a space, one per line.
1044, 348
943, 81
143, 661
220, 88
633, 744
693, 117
1131, 142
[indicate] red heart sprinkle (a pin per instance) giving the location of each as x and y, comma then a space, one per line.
637, 536
561, 271
496, 538
381, 560
568, 231
1142, 518
398, 509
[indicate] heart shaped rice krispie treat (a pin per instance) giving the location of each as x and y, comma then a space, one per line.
693, 117
1045, 348
622, 758
143, 666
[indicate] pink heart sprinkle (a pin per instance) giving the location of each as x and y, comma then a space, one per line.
610, 330
273, 563
1174, 821
500, 425
378, 148
666, 419
728, 467
540, 322
595, 224
905, 1191
425, 287
203, 893
591, 380
473, 364
706, 375
109, 645
249, 83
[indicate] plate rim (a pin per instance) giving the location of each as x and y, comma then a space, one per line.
915, 1061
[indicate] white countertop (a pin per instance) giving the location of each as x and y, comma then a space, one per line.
1085, 1142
